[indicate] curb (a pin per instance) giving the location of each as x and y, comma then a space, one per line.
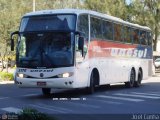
6, 82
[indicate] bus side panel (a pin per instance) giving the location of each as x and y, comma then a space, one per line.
115, 60
82, 74
110, 69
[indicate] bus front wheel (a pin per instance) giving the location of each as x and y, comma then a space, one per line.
91, 88
46, 91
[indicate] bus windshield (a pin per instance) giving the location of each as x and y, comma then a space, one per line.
45, 49
48, 22
45, 41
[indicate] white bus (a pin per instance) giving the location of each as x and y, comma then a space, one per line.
71, 48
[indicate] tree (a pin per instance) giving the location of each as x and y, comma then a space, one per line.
115, 8
147, 12
143, 12
58, 4
10, 14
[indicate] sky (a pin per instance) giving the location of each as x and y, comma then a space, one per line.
128, 1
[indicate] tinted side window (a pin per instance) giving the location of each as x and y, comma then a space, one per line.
126, 31
143, 38
117, 32
136, 36
149, 38
107, 30
96, 28
83, 24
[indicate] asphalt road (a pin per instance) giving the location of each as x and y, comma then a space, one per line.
106, 100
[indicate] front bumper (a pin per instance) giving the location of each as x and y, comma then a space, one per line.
49, 83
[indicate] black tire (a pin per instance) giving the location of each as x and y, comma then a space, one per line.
140, 76
91, 88
131, 83
46, 91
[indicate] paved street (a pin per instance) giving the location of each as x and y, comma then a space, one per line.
106, 100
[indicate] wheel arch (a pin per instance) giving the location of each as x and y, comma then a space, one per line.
96, 73
140, 69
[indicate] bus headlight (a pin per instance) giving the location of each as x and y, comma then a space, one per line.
21, 75
65, 75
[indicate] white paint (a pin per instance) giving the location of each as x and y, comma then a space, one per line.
105, 101
120, 98
12, 109
150, 94
128, 52
155, 92
1, 98
134, 95
122, 52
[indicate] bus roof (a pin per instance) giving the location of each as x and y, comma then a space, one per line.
79, 11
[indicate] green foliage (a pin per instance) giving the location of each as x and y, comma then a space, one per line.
144, 12
58, 4
32, 114
115, 8
6, 76
11, 12
147, 12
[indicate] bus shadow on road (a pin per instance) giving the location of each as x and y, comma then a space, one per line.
78, 93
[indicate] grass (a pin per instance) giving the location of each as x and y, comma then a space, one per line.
6, 76
28, 114
33, 114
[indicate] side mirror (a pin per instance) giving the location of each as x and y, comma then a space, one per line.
12, 40
81, 44
12, 44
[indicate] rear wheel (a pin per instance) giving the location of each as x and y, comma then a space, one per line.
46, 91
138, 82
131, 82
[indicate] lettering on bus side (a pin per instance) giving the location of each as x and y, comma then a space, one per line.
129, 52
22, 70
40, 70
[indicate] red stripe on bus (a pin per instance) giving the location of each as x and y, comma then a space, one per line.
103, 48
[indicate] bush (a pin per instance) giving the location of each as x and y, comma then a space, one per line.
6, 76
32, 114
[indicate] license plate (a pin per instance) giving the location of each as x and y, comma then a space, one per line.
41, 83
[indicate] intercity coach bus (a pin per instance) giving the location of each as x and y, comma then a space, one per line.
72, 48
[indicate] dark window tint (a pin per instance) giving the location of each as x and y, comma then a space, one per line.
96, 28
136, 36
44, 23
118, 32
107, 30
126, 31
143, 38
149, 38
83, 25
